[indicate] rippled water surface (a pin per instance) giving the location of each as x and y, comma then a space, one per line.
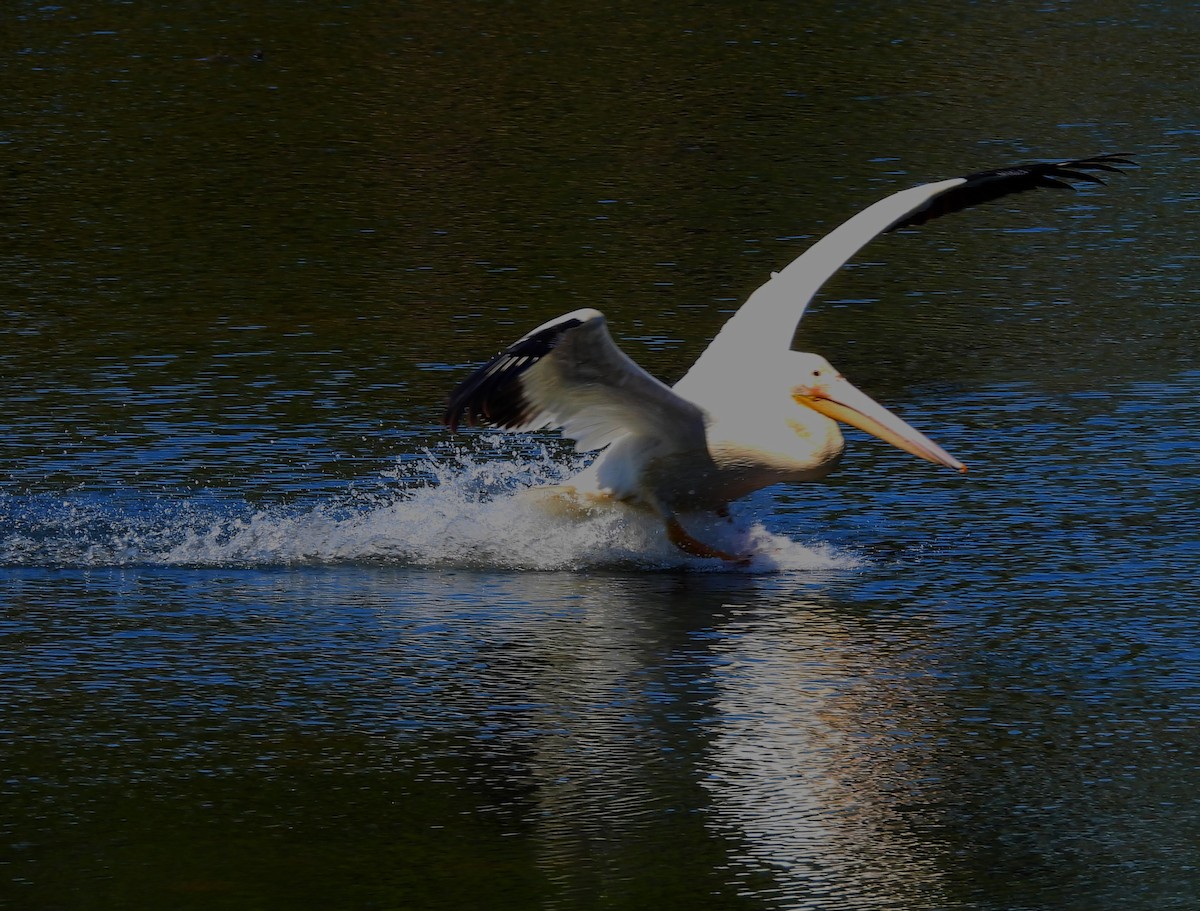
272, 638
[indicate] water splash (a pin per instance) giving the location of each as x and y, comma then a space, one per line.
447, 509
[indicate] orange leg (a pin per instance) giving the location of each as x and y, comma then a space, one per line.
678, 536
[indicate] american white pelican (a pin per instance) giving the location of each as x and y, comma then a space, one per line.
750, 412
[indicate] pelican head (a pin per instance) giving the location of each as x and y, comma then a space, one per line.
823, 389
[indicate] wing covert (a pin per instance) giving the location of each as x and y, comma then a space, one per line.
568, 373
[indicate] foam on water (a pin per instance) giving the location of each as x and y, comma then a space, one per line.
444, 510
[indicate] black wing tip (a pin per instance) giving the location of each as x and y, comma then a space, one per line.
454, 414
493, 393
504, 414
1111, 158
985, 186
503, 407
1078, 168
1072, 169
490, 395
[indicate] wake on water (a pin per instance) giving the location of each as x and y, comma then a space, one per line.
443, 510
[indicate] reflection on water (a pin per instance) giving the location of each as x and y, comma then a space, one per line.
793, 778
547, 738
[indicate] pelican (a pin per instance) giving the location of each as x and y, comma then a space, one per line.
750, 412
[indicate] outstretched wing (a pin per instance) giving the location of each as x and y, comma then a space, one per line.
770, 316
568, 373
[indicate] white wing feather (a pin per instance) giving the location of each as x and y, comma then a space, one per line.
769, 318
596, 394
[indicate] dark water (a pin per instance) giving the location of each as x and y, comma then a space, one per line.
272, 639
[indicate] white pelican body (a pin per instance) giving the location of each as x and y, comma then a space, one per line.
750, 412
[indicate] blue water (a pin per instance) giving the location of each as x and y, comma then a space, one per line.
270, 637
984, 686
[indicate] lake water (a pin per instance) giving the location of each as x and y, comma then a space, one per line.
272, 638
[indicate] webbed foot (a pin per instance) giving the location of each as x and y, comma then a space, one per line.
679, 536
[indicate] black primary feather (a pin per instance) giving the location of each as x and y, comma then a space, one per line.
986, 186
493, 393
